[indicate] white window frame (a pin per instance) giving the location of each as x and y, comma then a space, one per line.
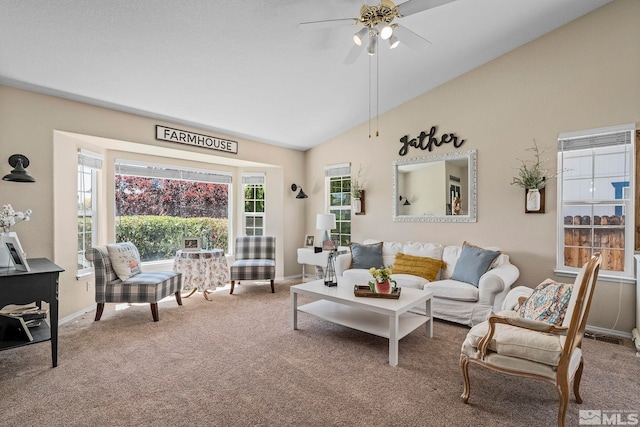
252, 180
168, 171
88, 163
589, 140
342, 170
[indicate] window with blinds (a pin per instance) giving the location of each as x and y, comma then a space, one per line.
596, 199
338, 183
89, 164
253, 186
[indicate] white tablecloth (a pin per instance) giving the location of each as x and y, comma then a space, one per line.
203, 270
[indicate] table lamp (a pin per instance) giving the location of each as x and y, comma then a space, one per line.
326, 222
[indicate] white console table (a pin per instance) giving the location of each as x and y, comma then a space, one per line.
308, 256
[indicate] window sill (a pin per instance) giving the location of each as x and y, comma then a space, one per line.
601, 277
83, 274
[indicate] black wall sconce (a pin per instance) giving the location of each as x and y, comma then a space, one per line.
406, 202
301, 194
19, 174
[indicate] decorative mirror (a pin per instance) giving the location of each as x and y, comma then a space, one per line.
439, 188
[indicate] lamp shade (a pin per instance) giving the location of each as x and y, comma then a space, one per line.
325, 221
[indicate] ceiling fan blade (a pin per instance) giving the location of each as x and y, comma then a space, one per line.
415, 6
411, 39
330, 23
353, 54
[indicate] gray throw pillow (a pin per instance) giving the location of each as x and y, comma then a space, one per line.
473, 263
366, 256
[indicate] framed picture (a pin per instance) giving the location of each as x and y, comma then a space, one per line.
12, 244
309, 240
191, 244
329, 245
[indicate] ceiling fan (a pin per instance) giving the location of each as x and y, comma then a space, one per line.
377, 22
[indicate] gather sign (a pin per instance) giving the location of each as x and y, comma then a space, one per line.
426, 141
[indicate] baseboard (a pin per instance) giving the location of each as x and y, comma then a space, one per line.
603, 331
636, 338
93, 306
76, 314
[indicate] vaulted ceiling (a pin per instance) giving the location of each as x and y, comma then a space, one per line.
243, 68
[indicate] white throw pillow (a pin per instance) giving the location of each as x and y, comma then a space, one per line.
125, 259
431, 250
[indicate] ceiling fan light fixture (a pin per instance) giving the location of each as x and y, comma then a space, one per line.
385, 30
393, 42
359, 36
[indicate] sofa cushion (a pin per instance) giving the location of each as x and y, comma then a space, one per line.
453, 289
473, 262
409, 281
431, 250
548, 302
417, 266
124, 259
366, 256
389, 250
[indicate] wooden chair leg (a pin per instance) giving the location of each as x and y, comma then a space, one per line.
464, 367
233, 284
576, 383
154, 311
272, 288
99, 310
179, 298
563, 391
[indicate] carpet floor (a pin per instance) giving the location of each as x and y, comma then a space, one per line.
235, 361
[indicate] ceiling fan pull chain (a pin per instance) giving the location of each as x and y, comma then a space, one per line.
369, 97
377, 93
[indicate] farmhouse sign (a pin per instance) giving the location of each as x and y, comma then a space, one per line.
426, 141
190, 138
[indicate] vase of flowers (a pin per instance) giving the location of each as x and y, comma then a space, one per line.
8, 218
382, 280
533, 199
533, 178
356, 192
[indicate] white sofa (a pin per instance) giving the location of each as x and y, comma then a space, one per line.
453, 300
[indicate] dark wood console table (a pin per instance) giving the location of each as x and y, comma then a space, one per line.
39, 284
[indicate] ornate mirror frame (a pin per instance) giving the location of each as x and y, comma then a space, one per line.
469, 208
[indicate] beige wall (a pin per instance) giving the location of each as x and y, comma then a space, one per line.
48, 130
584, 75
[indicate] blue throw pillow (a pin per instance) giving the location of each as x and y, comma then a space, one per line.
473, 263
366, 256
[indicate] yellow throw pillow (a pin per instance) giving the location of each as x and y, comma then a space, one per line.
417, 265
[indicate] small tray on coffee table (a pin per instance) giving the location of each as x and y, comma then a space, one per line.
364, 291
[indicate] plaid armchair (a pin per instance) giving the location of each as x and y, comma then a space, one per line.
255, 259
148, 287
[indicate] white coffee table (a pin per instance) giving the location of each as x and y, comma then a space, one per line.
388, 318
